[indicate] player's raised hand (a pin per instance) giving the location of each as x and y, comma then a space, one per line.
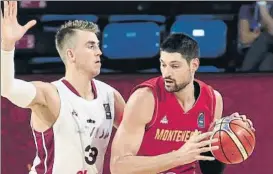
197, 144
11, 30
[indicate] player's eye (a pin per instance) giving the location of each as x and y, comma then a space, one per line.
163, 65
91, 46
175, 66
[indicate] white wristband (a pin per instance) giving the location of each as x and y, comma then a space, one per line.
19, 92
7, 70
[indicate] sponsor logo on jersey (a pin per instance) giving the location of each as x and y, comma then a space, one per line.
100, 133
107, 111
173, 135
74, 113
164, 120
91, 121
201, 120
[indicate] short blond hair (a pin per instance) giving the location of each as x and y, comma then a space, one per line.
68, 30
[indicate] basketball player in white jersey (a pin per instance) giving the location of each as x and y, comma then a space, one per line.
72, 118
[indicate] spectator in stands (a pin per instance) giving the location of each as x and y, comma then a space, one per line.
256, 36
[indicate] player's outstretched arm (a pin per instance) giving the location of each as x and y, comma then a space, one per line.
127, 141
21, 93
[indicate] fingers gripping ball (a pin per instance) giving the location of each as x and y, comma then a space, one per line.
236, 140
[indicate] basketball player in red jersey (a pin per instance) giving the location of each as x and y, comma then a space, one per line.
166, 119
71, 118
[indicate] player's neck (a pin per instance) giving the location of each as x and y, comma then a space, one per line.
186, 97
81, 82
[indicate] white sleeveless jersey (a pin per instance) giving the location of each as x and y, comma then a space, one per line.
77, 142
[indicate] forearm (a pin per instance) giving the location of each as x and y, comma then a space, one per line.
146, 165
268, 20
248, 38
19, 92
7, 74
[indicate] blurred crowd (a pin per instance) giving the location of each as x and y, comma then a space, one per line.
234, 36
256, 36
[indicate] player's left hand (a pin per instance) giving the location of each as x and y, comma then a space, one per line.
244, 118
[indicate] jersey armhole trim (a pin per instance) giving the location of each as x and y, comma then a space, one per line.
155, 113
213, 102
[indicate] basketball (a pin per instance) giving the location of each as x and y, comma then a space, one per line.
236, 140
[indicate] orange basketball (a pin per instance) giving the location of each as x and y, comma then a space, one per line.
236, 140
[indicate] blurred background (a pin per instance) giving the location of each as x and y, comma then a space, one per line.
236, 59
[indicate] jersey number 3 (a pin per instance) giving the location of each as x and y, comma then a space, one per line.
92, 155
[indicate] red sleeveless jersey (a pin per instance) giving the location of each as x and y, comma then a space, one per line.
171, 127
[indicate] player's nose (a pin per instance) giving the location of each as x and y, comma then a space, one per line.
98, 52
166, 73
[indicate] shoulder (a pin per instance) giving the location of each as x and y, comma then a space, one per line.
102, 84
204, 86
151, 86
59, 84
104, 87
140, 106
47, 88
218, 111
217, 94
141, 100
110, 91
218, 99
142, 93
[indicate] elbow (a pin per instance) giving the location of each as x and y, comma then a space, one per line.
117, 166
114, 168
244, 40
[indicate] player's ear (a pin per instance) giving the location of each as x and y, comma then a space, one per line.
195, 64
70, 55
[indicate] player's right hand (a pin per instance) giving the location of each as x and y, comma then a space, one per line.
11, 30
197, 144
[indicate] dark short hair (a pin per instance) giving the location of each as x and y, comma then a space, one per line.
183, 44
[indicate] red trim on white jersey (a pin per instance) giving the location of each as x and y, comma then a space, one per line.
72, 89
45, 154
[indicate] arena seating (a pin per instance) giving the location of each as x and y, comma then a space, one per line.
131, 35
